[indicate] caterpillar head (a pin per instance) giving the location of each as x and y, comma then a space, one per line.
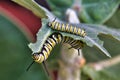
50, 23
39, 58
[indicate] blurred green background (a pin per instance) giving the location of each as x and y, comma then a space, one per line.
15, 56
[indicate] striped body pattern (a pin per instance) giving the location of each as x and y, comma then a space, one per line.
67, 28
76, 44
49, 44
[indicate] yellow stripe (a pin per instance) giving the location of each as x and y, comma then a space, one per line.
47, 50
48, 46
59, 38
74, 31
82, 32
63, 27
55, 39
66, 39
56, 25
52, 42
45, 54
74, 42
59, 26
69, 40
79, 31
53, 25
49, 41
67, 28
71, 29
41, 59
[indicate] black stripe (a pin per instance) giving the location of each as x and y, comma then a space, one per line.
49, 43
53, 38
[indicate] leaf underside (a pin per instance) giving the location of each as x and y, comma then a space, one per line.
98, 11
92, 30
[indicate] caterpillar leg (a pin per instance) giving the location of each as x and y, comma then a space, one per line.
79, 52
45, 67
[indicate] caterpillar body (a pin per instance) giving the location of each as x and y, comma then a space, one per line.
50, 43
67, 28
76, 44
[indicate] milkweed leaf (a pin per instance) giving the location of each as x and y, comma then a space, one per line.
98, 11
29, 4
92, 11
92, 32
42, 35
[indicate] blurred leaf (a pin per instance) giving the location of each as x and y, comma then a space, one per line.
98, 11
15, 56
59, 6
111, 73
92, 11
114, 20
36, 8
29, 4
112, 45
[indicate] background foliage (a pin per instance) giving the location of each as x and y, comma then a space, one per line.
15, 58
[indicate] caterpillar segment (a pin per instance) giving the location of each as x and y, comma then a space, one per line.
48, 46
51, 41
67, 28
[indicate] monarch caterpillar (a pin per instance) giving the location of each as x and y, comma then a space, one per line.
67, 28
76, 44
52, 40
50, 43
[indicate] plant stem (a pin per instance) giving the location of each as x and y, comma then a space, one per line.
105, 63
70, 62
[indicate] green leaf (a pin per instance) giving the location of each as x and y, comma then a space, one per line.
110, 43
59, 6
31, 5
91, 30
15, 55
111, 73
42, 36
98, 11
114, 20
93, 11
